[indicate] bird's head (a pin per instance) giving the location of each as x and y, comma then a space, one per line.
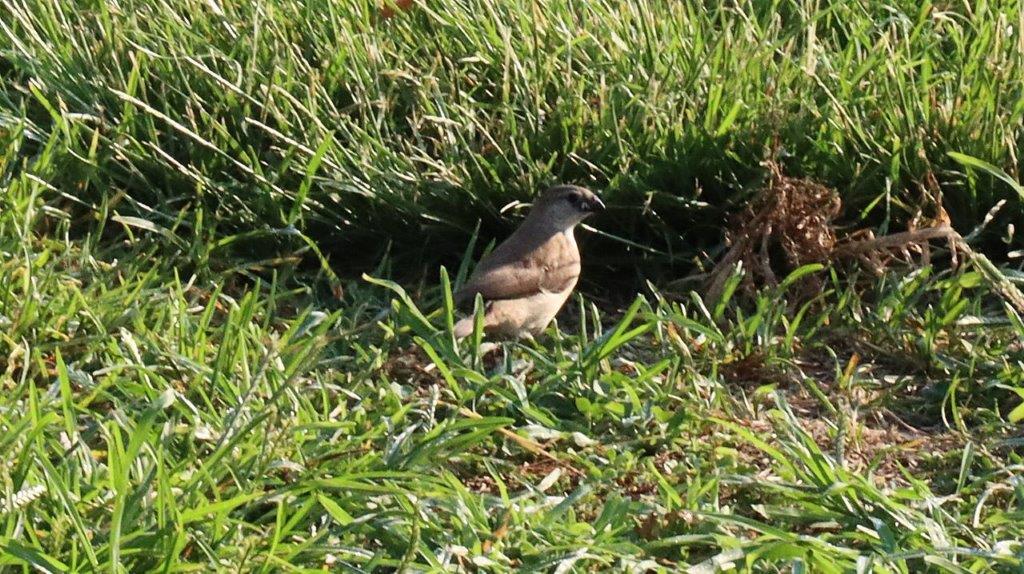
566, 205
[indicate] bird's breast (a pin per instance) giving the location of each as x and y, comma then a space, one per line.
527, 315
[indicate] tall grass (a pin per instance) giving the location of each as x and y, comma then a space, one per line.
330, 117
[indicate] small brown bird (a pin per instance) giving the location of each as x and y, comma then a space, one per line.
527, 279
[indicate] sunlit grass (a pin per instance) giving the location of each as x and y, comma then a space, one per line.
187, 385
156, 421
330, 117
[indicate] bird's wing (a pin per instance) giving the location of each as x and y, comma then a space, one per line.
552, 267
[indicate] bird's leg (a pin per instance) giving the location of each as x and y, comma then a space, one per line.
532, 341
527, 336
506, 364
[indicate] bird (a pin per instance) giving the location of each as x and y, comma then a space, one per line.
528, 277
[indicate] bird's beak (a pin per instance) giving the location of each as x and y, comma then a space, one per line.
595, 205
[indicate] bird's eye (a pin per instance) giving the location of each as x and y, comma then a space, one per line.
573, 198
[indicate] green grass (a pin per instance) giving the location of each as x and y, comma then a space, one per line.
155, 422
326, 116
195, 375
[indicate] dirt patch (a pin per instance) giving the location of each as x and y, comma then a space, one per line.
752, 370
412, 366
481, 484
880, 449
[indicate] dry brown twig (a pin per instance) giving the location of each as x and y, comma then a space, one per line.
791, 216
790, 224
